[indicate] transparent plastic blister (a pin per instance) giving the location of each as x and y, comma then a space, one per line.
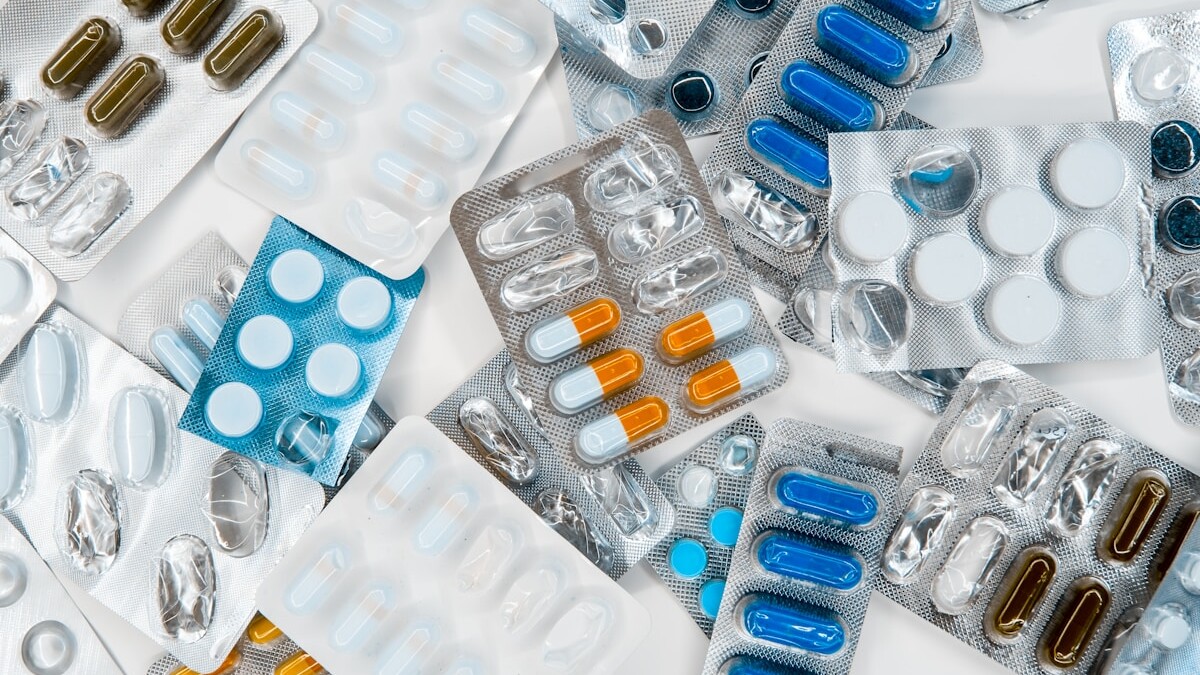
955, 245
26, 290
621, 512
84, 159
445, 570
388, 113
1029, 527
262, 650
290, 380
800, 578
1017, 9
617, 355
960, 57
121, 503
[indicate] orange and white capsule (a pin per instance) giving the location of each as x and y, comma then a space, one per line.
612, 435
599, 379
697, 333
299, 663
227, 666
261, 631
574, 329
723, 381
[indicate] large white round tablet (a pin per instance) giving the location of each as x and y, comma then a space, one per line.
264, 342
1017, 221
1169, 630
1088, 173
296, 276
364, 303
14, 286
1023, 310
233, 410
333, 370
1093, 262
945, 269
871, 227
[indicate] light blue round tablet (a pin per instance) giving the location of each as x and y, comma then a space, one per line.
710, 597
296, 276
364, 303
233, 410
264, 342
687, 558
724, 525
333, 370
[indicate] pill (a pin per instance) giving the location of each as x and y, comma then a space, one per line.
1172, 544
468, 84
1079, 614
81, 57
691, 94
262, 631
1088, 173
176, 357
612, 435
871, 227
296, 276
333, 370
709, 597
232, 660
203, 320
265, 342
1159, 76
299, 663
189, 24
141, 7
364, 303
1020, 593
1175, 149
724, 525
698, 333
823, 97
281, 170
946, 269
243, 49
597, 380
307, 120
339, 74
791, 625
747, 665
438, 131
49, 373
1134, 516
1017, 221
739, 375
15, 286
865, 45
1179, 225
498, 37
368, 28
787, 152
420, 186
233, 410
824, 498
687, 558
923, 15
808, 561
1167, 626
16, 459
1023, 310
1093, 262
140, 436
123, 96
568, 332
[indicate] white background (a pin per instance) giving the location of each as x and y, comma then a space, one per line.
1051, 69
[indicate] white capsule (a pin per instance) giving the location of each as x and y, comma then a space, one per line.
281, 170
233, 410
265, 342
203, 320
302, 117
176, 357
418, 185
340, 75
437, 131
468, 84
369, 29
333, 370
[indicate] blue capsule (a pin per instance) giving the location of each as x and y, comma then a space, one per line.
923, 15
748, 665
813, 495
788, 153
204, 320
827, 99
808, 561
790, 625
862, 43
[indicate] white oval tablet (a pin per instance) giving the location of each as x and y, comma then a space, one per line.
1017, 221
871, 227
1023, 310
364, 303
265, 342
1088, 173
296, 276
140, 436
233, 410
14, 286
333, 370
1093, 262
945, 269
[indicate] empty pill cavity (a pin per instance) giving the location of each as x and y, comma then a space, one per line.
529, 596
379, 227
611, 105
315, 582
48, 648
446, 520
1088, 173
874, 316
697, 486
1159, 76
185, 588
939, 180
237, 504
488, 556
399, 483
141, 435
15, 286
576, 633
14, 578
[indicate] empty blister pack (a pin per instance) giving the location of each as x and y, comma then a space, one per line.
263, 650
169, 531
108, 107
708, 490
446, 571
292, 373
1029, 527
961, 56
801, 573
392, 110
44, 633
613, 517
623, 305
955, 245
1018, 9
26, 290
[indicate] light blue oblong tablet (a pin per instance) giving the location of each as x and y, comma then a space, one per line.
821, 497
790, 625
787, 152
176, 357
825, 98
920, 14
865, 45
203, 320
808, 561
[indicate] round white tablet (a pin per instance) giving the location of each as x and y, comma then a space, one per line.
871, 227
233, 410
333, 370
1093, 262
945, 269
1088, 173
1017, 221
1023, 310
296, 276
264, 342
14, 286
1169, 630
364, 303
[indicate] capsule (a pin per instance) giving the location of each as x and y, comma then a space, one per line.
226, 668
243, 49
1079, 613
612, 435
299, 663
1184, 525
1132, 519
81, 57
262, 631
203, 320
568, 332
697, 333
123, 96
1019, 594
141, 7
190, 23
825, 98
176, 357
739, 375
865, 45
790, 625
787, 152
597, 380
819, 497
924, 15
810, 562
307, 120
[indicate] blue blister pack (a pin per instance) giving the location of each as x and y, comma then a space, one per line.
300, 356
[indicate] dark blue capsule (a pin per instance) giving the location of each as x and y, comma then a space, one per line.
920, 14
1179, 225
823, 97
1175, 149
787, 152
824, 498
808, 561
748, 665
791, 625
691, 94
865, 45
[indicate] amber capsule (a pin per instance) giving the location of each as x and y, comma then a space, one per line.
190, 23
119, 101
81, 57
736, 376
1134, 516
1019, 594
227, 666
243, 49
299, 663
612, 435
566, 333
597, 380
1079, 614
697, 333
1183, 526
261, 631
141, 7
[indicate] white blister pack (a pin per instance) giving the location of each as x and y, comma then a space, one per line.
26, 289
445, 570
387, 114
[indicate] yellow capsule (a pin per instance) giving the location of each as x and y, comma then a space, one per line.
261, 631
123, 96
697, 333
299, 663
243, 49
231, 661
1132, 519
190, 23
1020, 593
81, 57
140, 7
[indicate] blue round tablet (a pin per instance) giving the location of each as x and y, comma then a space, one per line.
710, 597
687, 558
724, 525
691, 94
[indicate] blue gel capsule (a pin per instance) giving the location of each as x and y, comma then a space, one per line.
176, 357
808, 561
787, 152
865, 45
203, 320
709, 597
748, 665
790, 625
923, 15
820, 497
823, 97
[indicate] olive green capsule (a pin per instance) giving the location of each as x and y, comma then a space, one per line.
81, 57
243, 49
190, 23
119, 101
141, 7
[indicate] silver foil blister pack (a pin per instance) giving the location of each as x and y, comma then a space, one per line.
26, 289
613, 517
170, 532
1029, 527
1017, 9
955, 245
263, 650
800, 579
73, 189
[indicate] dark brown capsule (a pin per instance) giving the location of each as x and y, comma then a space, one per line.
191, 23
119, 101
243, 49
1075, 621
1019, 594
1134, 516
82, 55
1184, 524
141, 7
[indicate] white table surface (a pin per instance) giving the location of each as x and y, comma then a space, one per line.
1051, 69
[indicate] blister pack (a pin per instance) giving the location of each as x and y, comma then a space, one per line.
956, 245
616, 293
445, 559
97, 92
1029, 527
1018, 9
613, 517
961, 56
167, 530
392, 110
26, 289
263, 650
800, 578
296, 364
708, 489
